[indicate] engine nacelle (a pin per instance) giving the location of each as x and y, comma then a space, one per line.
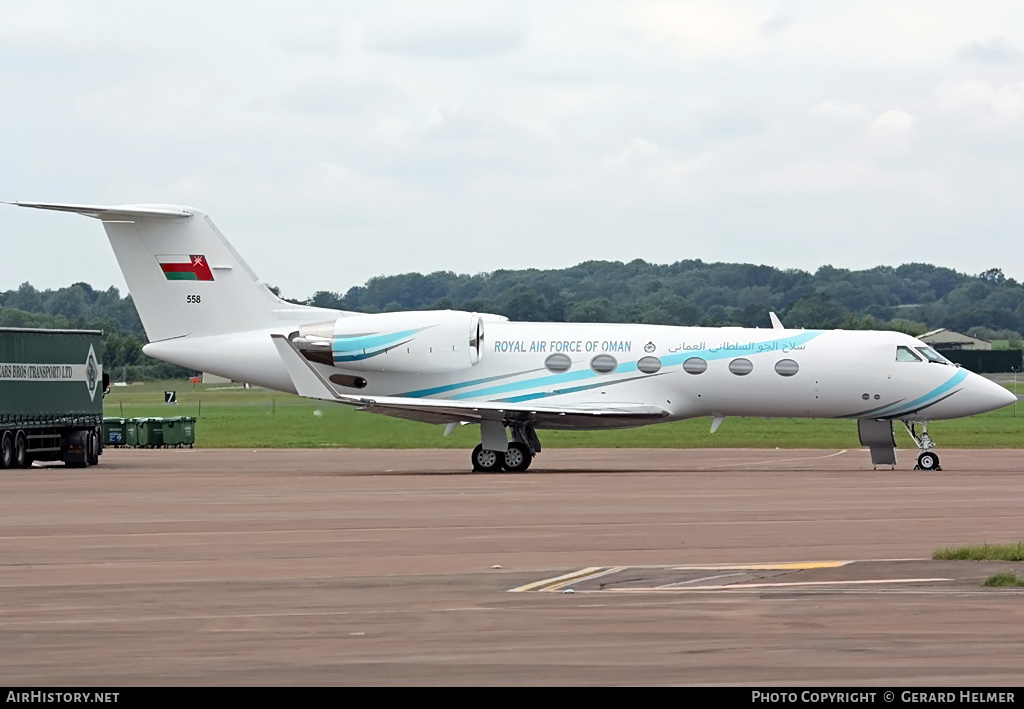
408, 342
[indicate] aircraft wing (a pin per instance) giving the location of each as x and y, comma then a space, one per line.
309, 383
447, 411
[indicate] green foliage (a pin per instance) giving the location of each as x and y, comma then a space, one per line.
1003, 578
80, 307
983, 552
911, 298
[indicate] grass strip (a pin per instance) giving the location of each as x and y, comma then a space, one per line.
235, 417
982, 552
1004, 578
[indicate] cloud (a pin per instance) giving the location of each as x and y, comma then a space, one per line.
706, 127
636, 150
892, 122
842, 112
983, 101
992, 51
456, 45
32, 23
776, 23
451, 30
704, 28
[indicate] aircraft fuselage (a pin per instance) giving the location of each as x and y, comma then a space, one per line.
688, 371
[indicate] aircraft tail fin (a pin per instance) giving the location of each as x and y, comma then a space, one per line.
185, 277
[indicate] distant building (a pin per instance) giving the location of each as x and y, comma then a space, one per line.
943, 339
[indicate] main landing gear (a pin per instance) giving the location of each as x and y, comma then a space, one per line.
927, 460
519, 451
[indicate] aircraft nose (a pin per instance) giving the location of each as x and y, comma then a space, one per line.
986, 395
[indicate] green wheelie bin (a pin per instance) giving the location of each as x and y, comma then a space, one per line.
188, 430
173, 431
179, 431
131, 433
113, 432
150, 432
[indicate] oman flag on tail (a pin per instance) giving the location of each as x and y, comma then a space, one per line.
185, 268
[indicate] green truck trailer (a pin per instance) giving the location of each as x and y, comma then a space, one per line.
51, 396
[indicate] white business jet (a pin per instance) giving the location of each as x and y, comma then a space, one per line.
203, 308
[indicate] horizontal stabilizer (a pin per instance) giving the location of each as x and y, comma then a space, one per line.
125, 212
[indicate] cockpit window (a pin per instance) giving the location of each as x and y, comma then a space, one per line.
932, 355
905, 354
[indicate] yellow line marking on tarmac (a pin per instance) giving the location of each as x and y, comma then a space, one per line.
564, 577
745, 586
796, 566
589, 577
559, 582
789, 566
680, 584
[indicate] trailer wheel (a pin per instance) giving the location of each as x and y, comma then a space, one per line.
21, 459
92, 456
6, 450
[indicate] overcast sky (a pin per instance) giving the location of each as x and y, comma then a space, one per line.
332, 142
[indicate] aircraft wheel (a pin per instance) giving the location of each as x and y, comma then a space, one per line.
485, 461
928, 461
518, 457
6, 450
21, 459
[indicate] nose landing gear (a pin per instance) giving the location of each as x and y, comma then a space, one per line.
927, 460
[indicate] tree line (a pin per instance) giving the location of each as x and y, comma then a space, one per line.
81, 307
911, 298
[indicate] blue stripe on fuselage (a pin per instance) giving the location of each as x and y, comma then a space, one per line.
783, 345
910, 406
538, 381
345, 345
459, 385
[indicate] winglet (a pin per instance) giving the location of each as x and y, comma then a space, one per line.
306, 380
776, 323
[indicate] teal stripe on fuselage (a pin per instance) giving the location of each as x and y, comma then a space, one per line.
461, 385
781, 345
571, 390
911, 406
356, 355
346, 345
538, 381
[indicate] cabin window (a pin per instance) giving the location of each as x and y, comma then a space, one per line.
649, 365
786, 367
695, 365
604, 364
558, 363
933, 356
741, 367
905, 354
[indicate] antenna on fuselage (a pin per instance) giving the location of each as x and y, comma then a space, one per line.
776, 323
